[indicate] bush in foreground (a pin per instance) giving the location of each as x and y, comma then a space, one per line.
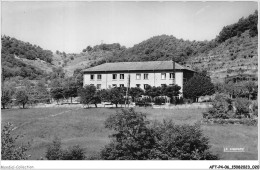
183, 142
55, 152
135, 139
132, 139
9, 149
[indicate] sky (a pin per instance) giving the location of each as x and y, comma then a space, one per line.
72, 26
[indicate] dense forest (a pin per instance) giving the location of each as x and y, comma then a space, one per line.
13, 49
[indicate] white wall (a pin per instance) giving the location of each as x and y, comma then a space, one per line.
154, 79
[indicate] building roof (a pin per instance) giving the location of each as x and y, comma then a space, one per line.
137, 66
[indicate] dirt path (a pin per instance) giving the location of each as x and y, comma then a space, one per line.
41, 118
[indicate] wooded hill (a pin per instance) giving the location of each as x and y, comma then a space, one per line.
233, 51
16, 56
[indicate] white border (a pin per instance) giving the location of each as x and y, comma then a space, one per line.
200, 165
41, 164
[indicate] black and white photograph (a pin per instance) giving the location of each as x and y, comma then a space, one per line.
129, 80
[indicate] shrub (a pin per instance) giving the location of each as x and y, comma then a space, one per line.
74, 153
135, 92
180, 100
9, 150
248, 122
55, 152
159, 100
184, 142
132, 139
145, 101
242, 107
187, 101
222, 107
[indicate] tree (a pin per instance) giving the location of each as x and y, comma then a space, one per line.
70, 88
57, 73
116, 95
78, 76
22, 97
135, 92
42, 94
88, 95
89, 48
31, 55
6, 97
57, 93
56, 90
171, 91
104, 95
183, 142
153, 91
9, 148
197, 86
132, 139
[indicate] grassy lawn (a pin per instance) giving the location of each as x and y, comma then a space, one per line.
85, 127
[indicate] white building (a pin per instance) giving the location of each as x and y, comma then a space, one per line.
137, 74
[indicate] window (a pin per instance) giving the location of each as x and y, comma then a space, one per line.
114, 76
138, 85
121, 85
99, 77
92, 76
114, 85
92, 84
172, 76
138, 76
163, 76
98, 86
122, 76
146, 76
145, 86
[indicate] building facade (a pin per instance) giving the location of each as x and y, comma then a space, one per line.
137, 74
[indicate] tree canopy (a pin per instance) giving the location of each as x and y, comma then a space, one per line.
249, 23
198, 85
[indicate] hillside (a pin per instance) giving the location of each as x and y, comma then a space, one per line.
93, 56
237, 55
24, 59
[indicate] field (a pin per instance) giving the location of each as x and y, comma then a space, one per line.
85, 127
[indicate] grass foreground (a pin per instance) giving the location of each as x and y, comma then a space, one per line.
85, 127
